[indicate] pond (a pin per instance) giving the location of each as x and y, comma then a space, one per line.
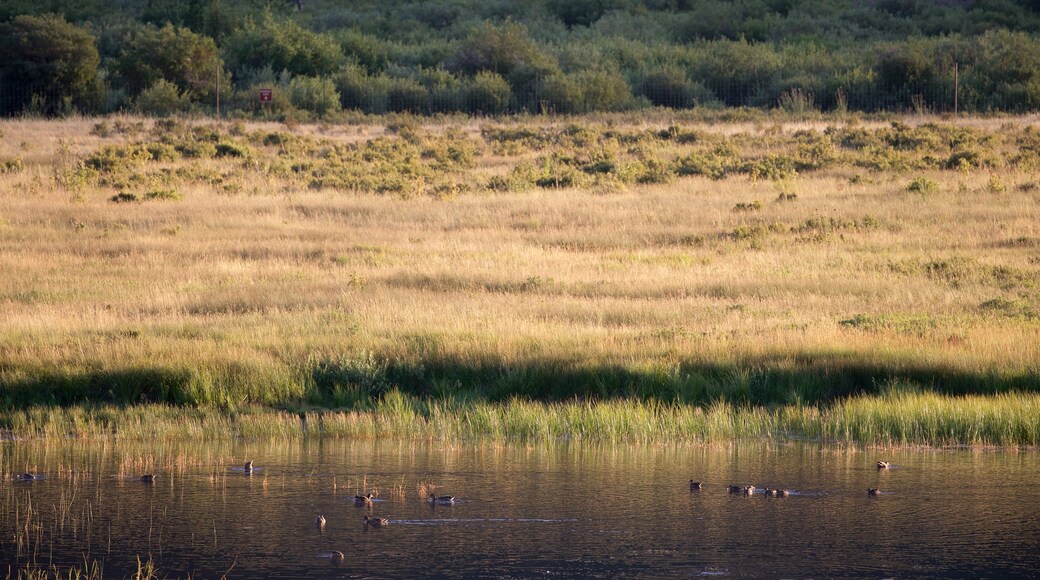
563, 510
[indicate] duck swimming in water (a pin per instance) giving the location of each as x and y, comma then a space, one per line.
444, 499
883, 465
694, 485
375, 522
364, 499
319, 521
734, 488
873, 491
749, 490
148, 478
28, 476
248, 467
333, 555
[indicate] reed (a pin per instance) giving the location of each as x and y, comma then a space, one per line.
902, 416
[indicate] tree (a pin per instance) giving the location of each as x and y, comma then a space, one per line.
282, 45
178, 55
47, 63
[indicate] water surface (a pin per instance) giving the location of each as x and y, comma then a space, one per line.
566, 510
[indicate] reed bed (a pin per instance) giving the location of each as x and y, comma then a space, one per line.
899, 417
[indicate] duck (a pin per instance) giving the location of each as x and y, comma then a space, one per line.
883, 465
375, 522
333, 555
734, 488
364, 499
770, 492
444, 499
148, 478
873, 491
27, 476
749, 490
782, 492
319, 521
248, 467
694, 485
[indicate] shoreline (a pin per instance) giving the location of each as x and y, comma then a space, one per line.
894, 420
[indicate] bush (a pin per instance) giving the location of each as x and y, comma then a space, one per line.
317, 95
162, 99
406, 95
488, 92
124, 198
358, 90
605, 91
668, 87
922, 184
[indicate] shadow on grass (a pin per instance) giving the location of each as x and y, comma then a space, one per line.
359, 382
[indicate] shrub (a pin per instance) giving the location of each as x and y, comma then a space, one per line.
162, 99
406, 95
358, 90
317, 95
488, 92
231, 149
15, 165
668, 87
746, 207
124, 197
922, 184
603, 91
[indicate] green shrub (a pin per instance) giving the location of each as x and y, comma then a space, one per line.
230, 149
488, 92
668, 87
15, 165
406, 95
746, 207
316, 95
124, 197
922, 184
163, 98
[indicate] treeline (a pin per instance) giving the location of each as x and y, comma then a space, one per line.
322, 57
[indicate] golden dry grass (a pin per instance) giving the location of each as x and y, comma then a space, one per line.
251, 281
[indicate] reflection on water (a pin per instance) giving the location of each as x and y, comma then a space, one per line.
520, 511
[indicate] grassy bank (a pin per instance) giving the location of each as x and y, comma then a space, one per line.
657, 260
899, 417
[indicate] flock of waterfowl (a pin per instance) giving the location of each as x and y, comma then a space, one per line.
376, 522
779, 492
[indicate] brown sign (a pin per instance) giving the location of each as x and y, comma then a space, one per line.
266, 95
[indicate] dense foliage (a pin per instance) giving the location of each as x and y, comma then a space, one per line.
566, 56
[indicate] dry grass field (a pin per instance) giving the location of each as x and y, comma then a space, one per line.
770, 262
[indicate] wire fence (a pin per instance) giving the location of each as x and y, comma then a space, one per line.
380, 96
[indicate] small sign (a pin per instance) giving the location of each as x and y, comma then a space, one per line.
266, 95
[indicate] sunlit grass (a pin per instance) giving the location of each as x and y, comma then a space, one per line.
779, 294
898, 417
